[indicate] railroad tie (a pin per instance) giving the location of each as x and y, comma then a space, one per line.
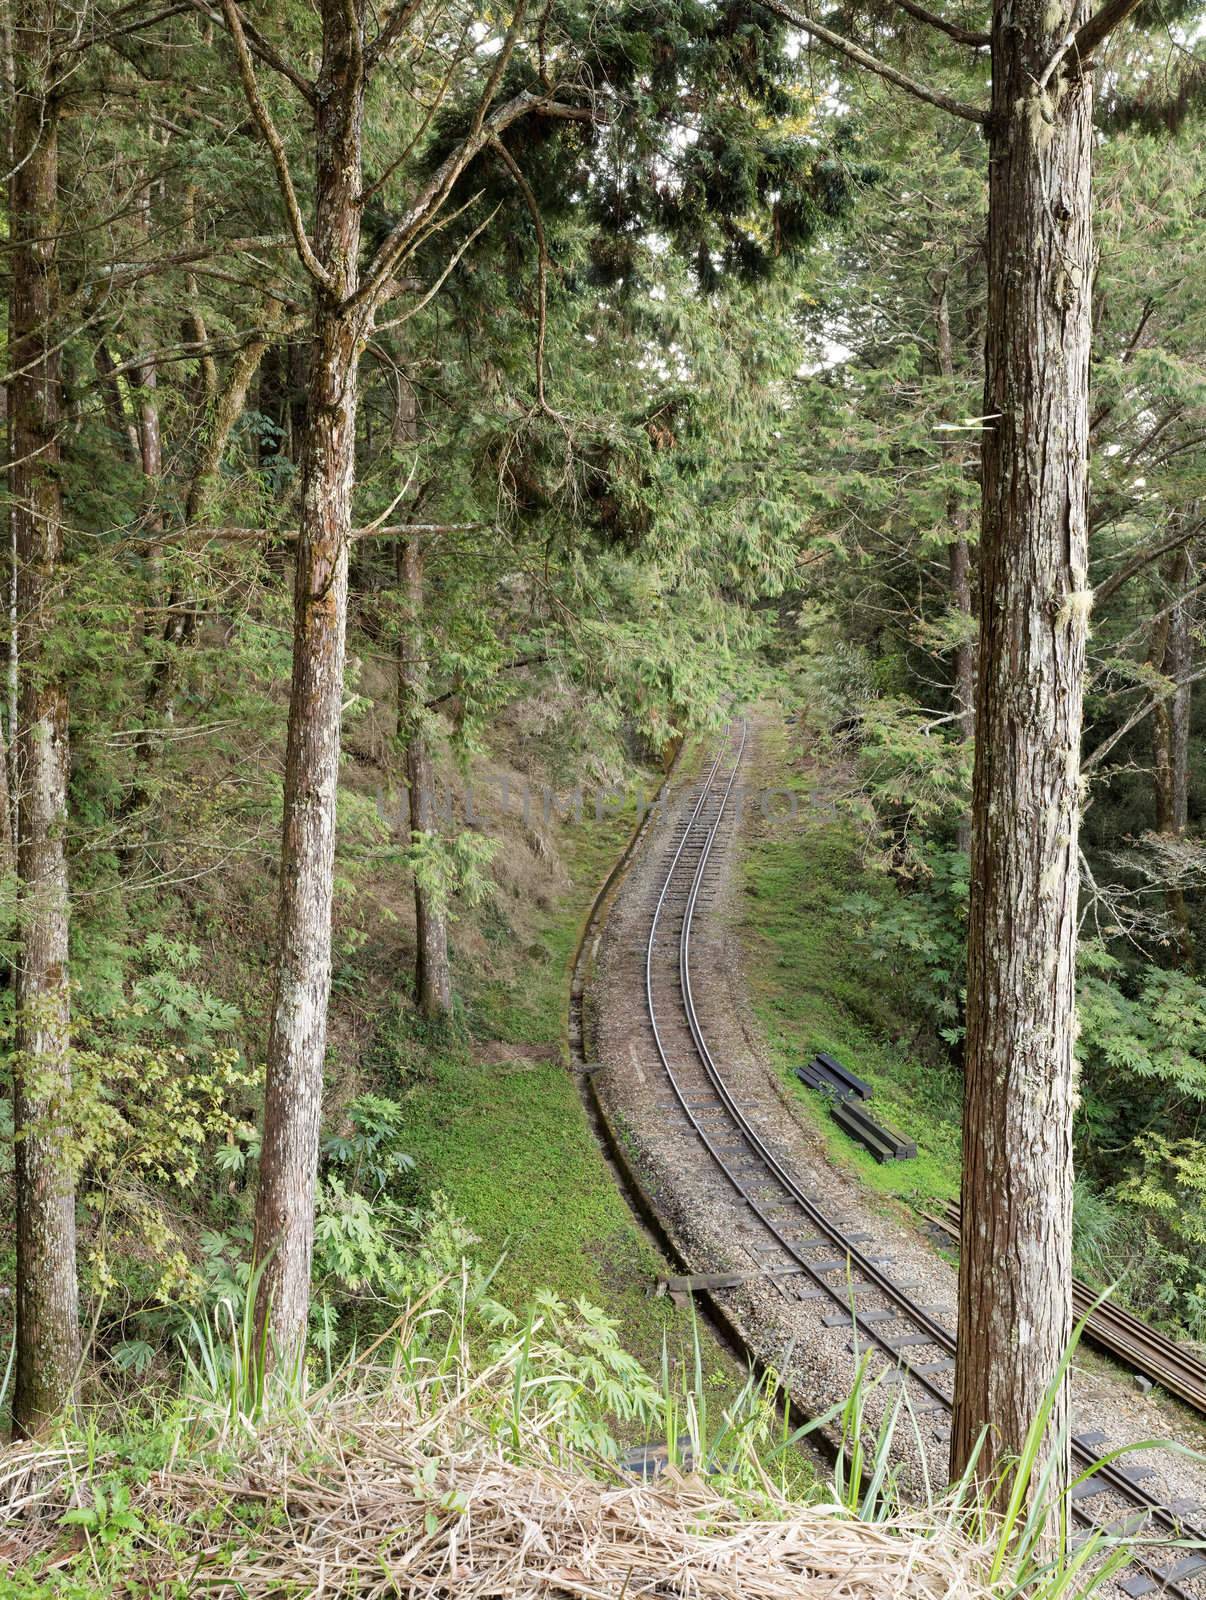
844, 1319
1093, 1440
840, 1263
1134, 1471
1089, 1487
1189, 1567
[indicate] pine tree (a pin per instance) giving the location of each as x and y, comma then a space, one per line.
47, 1295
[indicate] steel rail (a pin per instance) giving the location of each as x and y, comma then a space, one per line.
1123, 1335
1109, 1475
813, 1214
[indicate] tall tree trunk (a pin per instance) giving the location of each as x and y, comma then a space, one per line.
1172, 654
8, 721
11, 686
120, 425
145, 379
963, 689
47, 1305
433, 976
284, 1219
1015, 1267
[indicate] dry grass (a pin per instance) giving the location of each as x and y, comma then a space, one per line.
399, 1495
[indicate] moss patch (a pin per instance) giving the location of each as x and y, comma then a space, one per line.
510, 1145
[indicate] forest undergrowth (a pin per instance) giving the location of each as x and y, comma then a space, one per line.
434, 1461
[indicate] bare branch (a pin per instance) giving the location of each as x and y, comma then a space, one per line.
434, 288
435, 191
272, 139
202, 535
968, 36
1105, 411
123, 273
862, 58
266, 52
137, 26
188, 350
1085, 40
1101, 25
1136, 717
1141, 559
537, 658
397, 19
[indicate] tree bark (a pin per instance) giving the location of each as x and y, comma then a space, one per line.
1015, 1264
145, 380
47, 1298
121, 426
1172, 654
963, 688
433, 976
284, 1221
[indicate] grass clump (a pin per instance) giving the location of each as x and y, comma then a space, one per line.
425, 1466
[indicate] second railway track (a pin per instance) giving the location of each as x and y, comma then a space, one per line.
799, 1248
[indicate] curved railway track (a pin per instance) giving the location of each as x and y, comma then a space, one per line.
801, 1250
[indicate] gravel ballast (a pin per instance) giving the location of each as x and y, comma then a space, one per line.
711, 1228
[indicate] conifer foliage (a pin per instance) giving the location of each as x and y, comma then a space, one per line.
372, 369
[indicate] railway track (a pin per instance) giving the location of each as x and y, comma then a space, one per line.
1122, 1335
802, 1251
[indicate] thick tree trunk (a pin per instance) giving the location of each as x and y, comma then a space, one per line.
47, 1308
433, 977
1015, 1264
284, 1220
